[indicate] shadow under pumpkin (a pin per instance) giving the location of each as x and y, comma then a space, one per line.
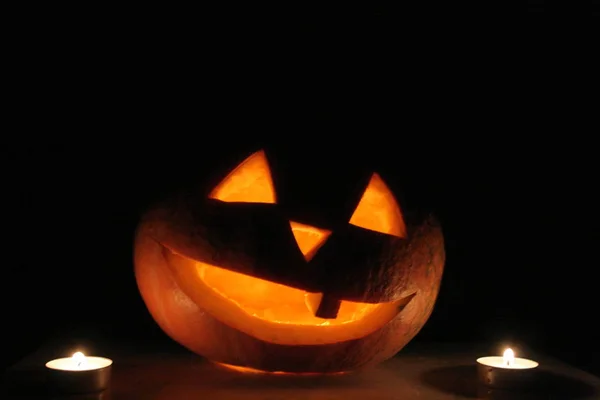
231, 278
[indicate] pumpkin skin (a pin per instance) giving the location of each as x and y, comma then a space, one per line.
200, 262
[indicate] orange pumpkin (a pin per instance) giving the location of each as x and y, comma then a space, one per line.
230, 278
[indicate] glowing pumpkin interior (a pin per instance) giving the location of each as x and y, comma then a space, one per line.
275, 312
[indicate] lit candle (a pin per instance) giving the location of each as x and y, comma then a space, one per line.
507, 371
79, 373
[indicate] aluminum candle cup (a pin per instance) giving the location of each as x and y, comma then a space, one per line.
79, 374
506, 372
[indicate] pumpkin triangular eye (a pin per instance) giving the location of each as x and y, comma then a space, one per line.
249, 182
378, 210
309, 238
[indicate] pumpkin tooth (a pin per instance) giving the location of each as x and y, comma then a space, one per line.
312, 301
328, 307
322, 306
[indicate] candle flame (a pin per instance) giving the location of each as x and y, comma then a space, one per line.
79, 358
509, 357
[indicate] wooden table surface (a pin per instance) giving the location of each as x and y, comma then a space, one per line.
431, 372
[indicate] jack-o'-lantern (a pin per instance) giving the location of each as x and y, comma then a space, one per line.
232, 279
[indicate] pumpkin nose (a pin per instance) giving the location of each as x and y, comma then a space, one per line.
309, 238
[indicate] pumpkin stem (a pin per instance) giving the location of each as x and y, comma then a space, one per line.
328, 307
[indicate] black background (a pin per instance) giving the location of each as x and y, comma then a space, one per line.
494, 134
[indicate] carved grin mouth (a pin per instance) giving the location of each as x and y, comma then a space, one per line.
284, 304
268, 300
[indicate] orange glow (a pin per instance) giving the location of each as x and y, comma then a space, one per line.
247, 370
309, 238
273, 312
273, 301
249, 182
378, 210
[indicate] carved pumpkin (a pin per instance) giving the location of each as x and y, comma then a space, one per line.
232, 279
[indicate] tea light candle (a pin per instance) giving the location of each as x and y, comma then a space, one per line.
79, 374
506, 371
